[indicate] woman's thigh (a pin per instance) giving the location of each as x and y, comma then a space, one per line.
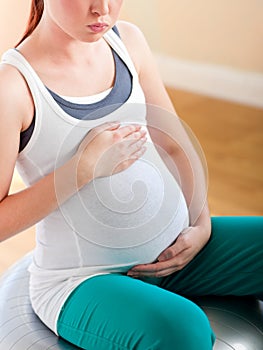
112, 312
231, 262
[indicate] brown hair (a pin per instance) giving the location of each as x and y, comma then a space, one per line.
36, 11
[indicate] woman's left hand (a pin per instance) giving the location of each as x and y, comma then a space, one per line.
187, 245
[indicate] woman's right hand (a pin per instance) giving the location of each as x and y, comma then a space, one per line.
109, 149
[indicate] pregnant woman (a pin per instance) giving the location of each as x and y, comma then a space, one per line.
114, 186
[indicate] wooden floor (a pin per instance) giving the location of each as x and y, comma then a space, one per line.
231, 136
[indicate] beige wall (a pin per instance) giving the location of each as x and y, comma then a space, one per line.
223, 32
13, 19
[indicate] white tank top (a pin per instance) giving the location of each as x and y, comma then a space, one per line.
110, 225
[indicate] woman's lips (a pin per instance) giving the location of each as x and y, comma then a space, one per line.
98, 27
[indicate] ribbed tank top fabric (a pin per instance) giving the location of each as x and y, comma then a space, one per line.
111, 224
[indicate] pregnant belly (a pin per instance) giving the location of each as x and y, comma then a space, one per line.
131, 208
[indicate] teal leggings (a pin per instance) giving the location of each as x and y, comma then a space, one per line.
116, 312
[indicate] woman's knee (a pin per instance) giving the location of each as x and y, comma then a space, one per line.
182, 327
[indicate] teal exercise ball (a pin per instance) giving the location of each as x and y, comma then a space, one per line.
237, 322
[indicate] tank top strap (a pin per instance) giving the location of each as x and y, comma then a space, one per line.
118, 46
14, 58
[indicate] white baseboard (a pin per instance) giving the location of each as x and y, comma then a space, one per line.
212, 80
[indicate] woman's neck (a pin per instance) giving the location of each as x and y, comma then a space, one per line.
49, 39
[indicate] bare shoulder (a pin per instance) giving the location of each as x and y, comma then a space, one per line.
14, 106
12, 83
15, 97
146, 65
134, 41
129, 28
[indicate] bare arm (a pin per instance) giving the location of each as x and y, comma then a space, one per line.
23, 209
167, 131
169, 135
